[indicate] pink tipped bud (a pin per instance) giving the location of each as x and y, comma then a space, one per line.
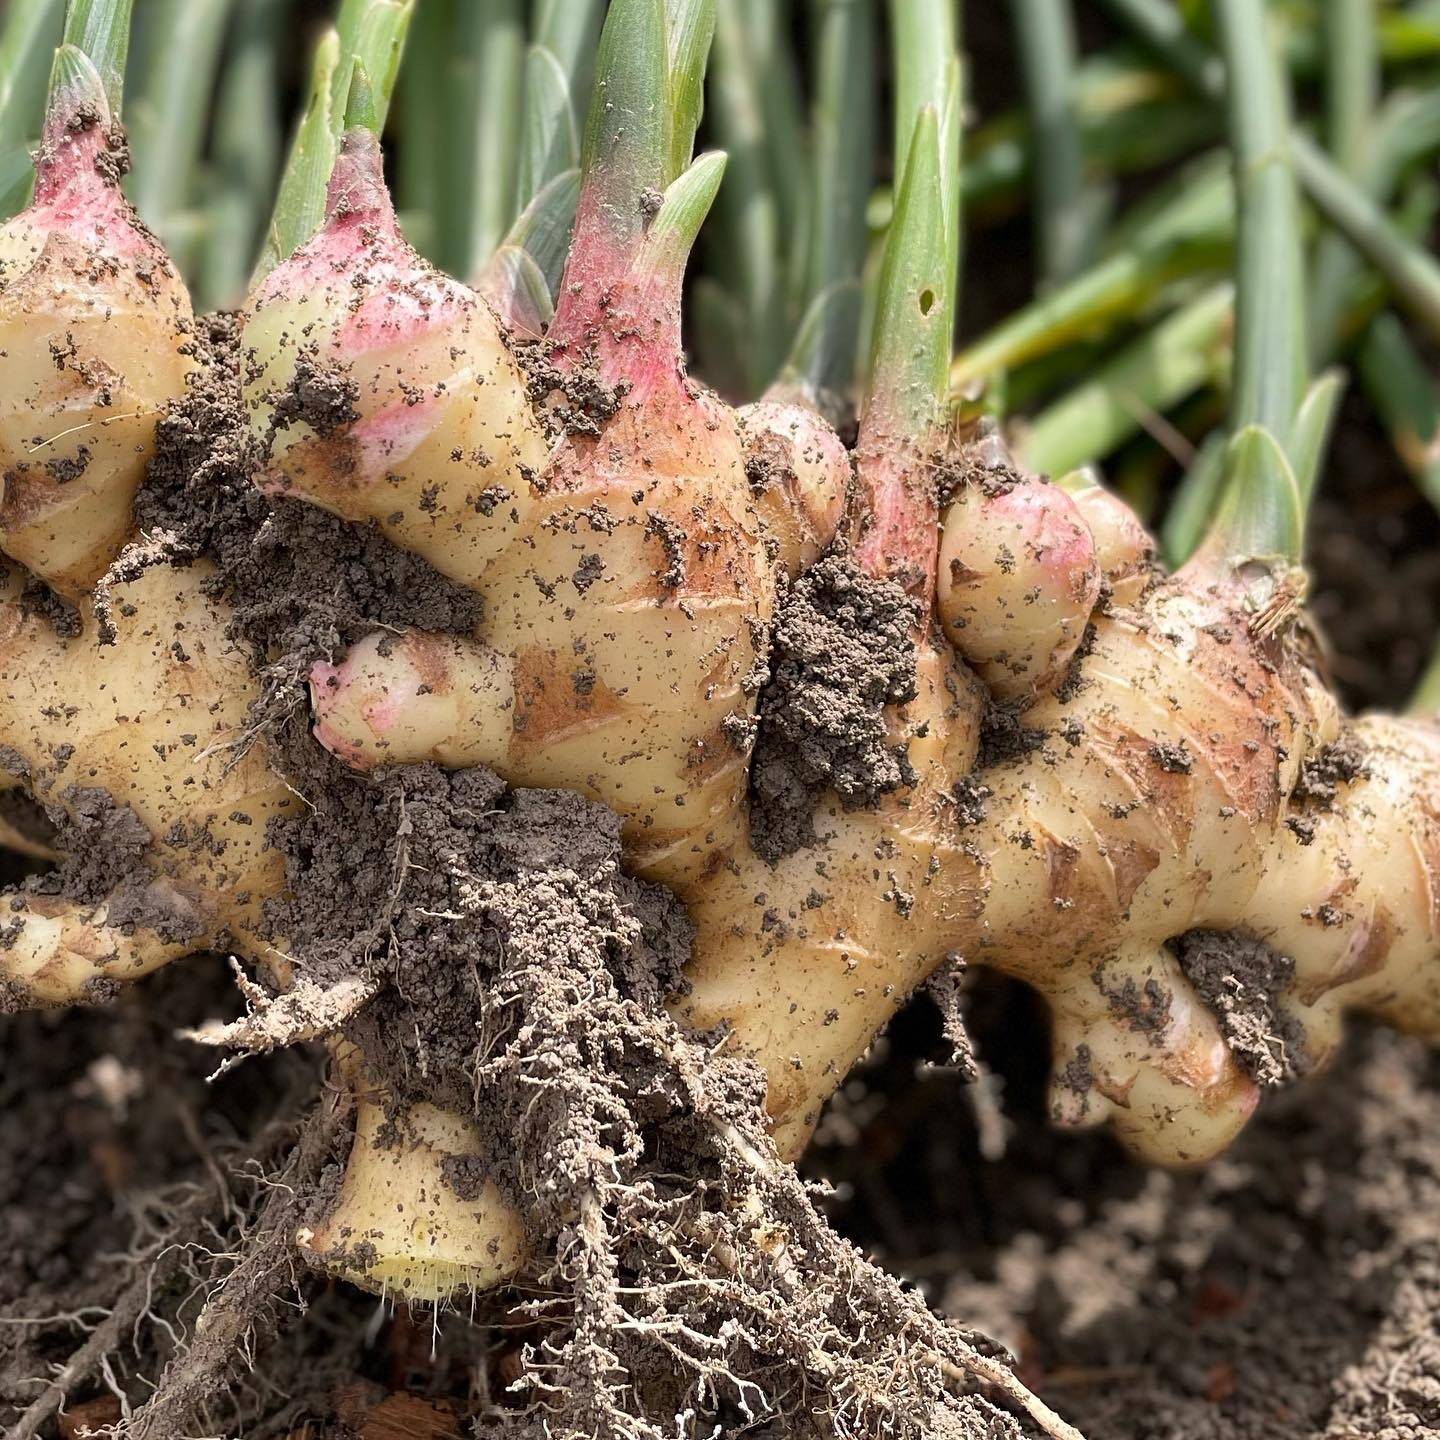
93, 325
383, 390
399, 700
799, 470
1018, 579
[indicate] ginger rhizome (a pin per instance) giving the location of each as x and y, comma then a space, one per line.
859, 710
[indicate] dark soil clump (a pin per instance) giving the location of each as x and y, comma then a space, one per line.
843, 649
1238, 977
200, 498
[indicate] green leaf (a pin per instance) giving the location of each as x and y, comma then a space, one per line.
493, 41
569, 30
169, 104
910, 354
1067, 211
101, 29
1310, 435
515, 285
300, 204
825, 351
1194, 503
1184, 351
625, 147
751, 253
1261, 513
687, 201
1411, 271
1270, 353
543, 228
360, 106
821, 365
689, 28
372, 33
549, 137
1403, 390
1191, 236
245, 158
32, 30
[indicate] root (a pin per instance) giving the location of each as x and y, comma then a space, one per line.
233, 1309
691, 1272
306, 1011
156, 1265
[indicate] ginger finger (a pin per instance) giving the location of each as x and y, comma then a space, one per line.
94, 329
154, 766
1018, 580
1351, 889
60, 950
1124, 550
412, 1219
800, 472
382, 390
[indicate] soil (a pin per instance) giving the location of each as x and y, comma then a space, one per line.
1288, 1291
842, 649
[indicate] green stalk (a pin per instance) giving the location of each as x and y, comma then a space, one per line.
100, 30
1410, 34
246, 152
1402, 389
925, 41
820, 367
32, 30
1189, 513
1154, 372
639, 133
1131, 117
755, 237
569, 30
1261, 510
423, 105
1065, 213
1183, 352
1190, 235
1352, 85
1269, 368
549, 138
169, 105
768, 24
909, 362
492, 36
368, 35
893, 514
1412, 274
